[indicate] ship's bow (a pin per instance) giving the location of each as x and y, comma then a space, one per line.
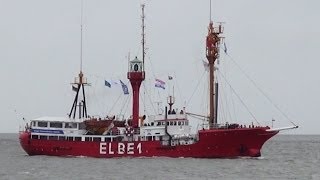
229, 143
257, 141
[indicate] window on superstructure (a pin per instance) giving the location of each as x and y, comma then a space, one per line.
171, 123
42, 124
97, 139
152, 123
70, 125
77, 138
44, 137
70, 138
34, 137
56, 124
61, 138
34, 124
175, 123
179, 123
53, 137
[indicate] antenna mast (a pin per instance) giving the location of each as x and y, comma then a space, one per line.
81, 35
210, 12
143, 34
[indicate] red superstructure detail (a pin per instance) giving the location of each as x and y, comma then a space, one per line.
135, 79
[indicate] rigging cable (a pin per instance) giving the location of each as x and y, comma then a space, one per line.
222, 107
197, 86
197, 117
233, 114
242, 102
100, 104
125, 103
148, 95
179, 90
126, 108
92, 95
114, 104
233, 107
153, 74
261, 91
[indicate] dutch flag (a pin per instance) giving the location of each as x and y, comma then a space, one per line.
160, 84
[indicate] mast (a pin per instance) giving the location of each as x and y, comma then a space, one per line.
81, 35
143, 41
79, 82
213, 41
171, 98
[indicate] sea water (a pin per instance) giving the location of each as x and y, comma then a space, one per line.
283, 157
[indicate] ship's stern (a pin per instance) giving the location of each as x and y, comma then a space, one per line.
25, 141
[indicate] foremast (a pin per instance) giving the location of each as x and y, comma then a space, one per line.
213, 41
79, 83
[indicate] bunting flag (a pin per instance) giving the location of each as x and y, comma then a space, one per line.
74, 88
170, 77
160, 84
124, 88
106, 83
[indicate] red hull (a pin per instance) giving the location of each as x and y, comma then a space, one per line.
224, 143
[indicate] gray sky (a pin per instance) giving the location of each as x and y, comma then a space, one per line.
275, 42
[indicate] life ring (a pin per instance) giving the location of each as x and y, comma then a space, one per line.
129, 131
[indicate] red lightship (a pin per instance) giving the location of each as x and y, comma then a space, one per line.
166, 135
